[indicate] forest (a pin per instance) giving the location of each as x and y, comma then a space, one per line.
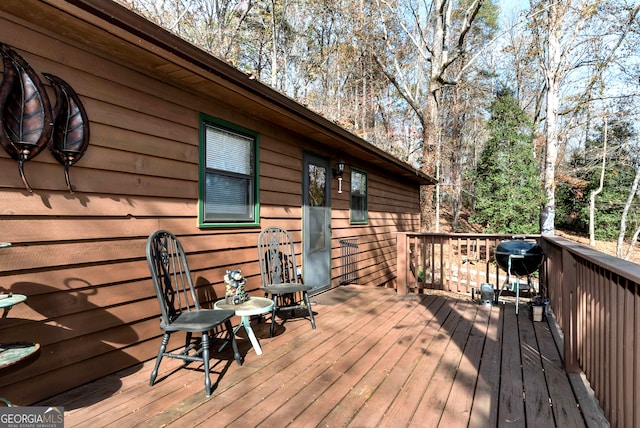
526, 112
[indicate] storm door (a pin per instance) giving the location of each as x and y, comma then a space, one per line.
316, 222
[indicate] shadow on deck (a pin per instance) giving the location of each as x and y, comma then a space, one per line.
376, 359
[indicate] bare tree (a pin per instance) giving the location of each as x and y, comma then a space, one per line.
566, 52
214, 25
623, 222
438, 38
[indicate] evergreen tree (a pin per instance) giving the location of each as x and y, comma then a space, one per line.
509, 193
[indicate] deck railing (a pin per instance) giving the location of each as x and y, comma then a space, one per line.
452, 262
595, 298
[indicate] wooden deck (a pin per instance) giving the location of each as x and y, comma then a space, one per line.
376, 359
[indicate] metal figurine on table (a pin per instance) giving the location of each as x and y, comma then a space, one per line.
234, 287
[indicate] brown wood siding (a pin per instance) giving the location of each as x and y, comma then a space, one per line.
80, 258
391, 208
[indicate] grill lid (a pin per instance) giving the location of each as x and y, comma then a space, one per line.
529, 256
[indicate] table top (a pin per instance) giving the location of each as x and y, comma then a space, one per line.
253, 306
14, 353
7, 300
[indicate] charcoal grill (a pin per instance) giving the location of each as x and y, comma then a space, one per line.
519, 257
526, 256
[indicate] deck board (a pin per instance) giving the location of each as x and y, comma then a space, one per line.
375, 359
437, 391
326, 377
460, 401
373, 370
537, 401
484, 411
511, 403
563, 403
402, 408
374, 409
291, 359
345, 374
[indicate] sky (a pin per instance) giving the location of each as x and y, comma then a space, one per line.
509, 9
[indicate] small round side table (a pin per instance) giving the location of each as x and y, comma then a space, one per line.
253, 306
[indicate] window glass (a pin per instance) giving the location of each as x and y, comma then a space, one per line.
317, 185
228, 151
228, 184
359, 208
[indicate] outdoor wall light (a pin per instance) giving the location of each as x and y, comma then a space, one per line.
340, 166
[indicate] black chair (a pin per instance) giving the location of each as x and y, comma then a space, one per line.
278, 271
180, 309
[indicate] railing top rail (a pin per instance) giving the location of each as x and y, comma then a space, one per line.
471, 235
616, 265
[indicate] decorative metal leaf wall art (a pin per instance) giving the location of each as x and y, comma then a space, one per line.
27, 122
70, 126
25, 119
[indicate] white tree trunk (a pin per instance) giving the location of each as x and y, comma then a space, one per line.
553, 76
632, 243
623, 220
592, 201
553, 71
274, 45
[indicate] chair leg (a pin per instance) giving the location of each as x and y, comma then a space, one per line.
163, 348
205, 361
234, 344
187, 347
273, 315
308, 302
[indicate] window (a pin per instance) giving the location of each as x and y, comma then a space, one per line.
228, 174
359, 213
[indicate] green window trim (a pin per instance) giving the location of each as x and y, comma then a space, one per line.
235, 171
359, 195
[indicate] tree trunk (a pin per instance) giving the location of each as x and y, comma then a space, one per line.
429, 154
592, 201
274, 45
553, 77
623, 220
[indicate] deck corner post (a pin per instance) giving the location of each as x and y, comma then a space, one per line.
402, 263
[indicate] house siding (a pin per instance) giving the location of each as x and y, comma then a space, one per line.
80, 258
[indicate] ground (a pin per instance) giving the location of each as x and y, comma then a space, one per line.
604, 246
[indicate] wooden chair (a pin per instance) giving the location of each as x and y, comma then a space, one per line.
180, 309
279, 274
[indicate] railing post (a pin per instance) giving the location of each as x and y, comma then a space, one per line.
402, 262
569, 312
